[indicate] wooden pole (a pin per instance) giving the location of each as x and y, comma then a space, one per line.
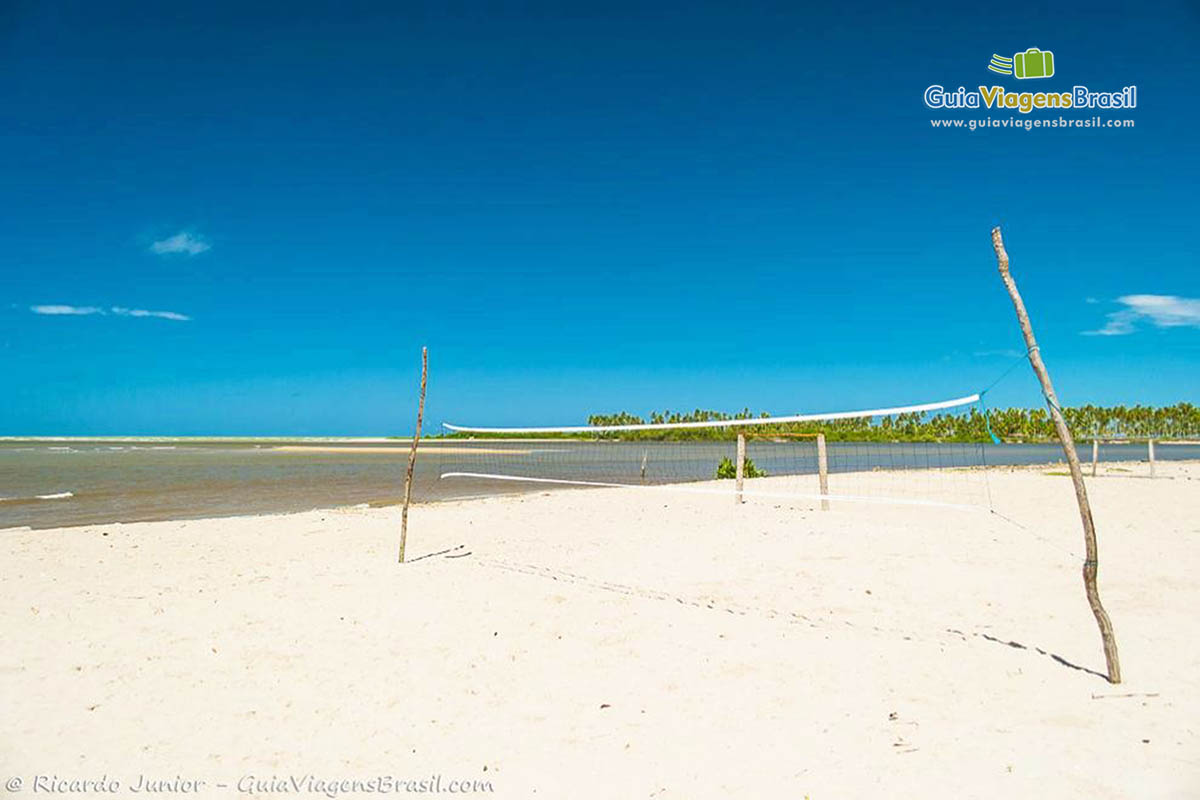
1095, 455
412, 453
1090, 564
1151, 444
823, 470
741, 465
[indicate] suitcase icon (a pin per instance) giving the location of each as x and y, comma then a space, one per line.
1033, 63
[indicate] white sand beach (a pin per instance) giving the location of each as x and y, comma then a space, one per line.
614, 643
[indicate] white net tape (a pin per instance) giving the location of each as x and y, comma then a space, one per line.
730, 423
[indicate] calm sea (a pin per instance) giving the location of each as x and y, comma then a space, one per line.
63, 483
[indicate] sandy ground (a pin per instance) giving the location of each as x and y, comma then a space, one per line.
618, 644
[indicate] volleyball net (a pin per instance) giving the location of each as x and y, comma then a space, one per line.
869, 456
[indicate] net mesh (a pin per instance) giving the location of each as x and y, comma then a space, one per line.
864, 460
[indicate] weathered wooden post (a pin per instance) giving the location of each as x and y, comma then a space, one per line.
1151, 446
1095, 455
1090, 564
412, 453
741, 465
823, 471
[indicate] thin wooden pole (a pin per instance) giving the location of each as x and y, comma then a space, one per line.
1090, 564
412, 453
1095, 455
823, 470
1151, 444
741, 465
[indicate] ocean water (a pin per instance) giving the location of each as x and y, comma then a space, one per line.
65, 483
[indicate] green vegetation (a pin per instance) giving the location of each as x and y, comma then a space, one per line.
727, 469
1010, 424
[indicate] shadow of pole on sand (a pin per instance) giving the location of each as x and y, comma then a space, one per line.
1054, 656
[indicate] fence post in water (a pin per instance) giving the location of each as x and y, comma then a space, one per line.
412, 453
1091, 559
1095, 455
741, 465
1151, 447
823, 471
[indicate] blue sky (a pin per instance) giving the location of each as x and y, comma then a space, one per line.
578, 208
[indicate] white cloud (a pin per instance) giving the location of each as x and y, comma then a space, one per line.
1161, 310
182, 242
141, 312
1119, 323
59, 310
54, 311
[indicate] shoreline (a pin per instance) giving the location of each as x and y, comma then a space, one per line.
1109, 470
440, 441
202, 439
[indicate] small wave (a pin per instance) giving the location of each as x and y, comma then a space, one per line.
54, 496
